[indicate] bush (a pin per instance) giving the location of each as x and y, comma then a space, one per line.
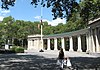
13, 48
19, 50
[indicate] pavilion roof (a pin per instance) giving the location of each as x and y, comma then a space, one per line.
67, 34
93, 21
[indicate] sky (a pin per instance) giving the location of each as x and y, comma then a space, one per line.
23, 10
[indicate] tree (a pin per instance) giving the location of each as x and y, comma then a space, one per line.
60, 8
90, 9
7, 28
8, 20
48, 30
59, 28
7, 3
2, 36
16, 31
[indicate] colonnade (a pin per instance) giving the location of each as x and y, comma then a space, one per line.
93, 40
71, 45
88, 39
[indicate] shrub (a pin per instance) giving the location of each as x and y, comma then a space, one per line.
19, 50
13, 48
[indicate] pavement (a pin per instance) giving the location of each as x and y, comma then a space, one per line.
47, 60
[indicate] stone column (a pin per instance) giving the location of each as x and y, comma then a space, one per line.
90, 40
48, 44
71, 43
42, 44
55, 44
97, 41
30, 44
63, 43
79, 44
93, 42
87, 42
37, 44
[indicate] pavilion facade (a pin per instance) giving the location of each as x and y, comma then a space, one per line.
84, 40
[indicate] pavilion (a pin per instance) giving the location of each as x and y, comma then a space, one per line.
84, 40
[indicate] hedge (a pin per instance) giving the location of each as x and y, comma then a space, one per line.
17, 49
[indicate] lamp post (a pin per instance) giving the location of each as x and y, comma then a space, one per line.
41, 31
41, 36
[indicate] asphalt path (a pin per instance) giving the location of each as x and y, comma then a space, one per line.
47, 60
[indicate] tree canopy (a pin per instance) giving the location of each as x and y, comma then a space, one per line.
65, 8
76, 14
60, 8
90, 9
18, 30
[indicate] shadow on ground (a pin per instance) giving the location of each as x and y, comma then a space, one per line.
27, 62
34, 62
86, 63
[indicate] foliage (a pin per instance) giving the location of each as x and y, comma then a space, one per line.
13, 48
88, 9
60, 8
17, 30
17, 49
6, 3
76, 14
8, 20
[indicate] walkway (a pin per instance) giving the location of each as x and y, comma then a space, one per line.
46, 61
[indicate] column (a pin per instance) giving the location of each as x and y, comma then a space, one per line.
29, 44
97, 41
79, 43
63, 43
87, 43
55, 44
48, 44
93, 42
42, 44
37, 44
90, 40
71, 43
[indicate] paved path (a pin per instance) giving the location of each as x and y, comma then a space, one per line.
47, 61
